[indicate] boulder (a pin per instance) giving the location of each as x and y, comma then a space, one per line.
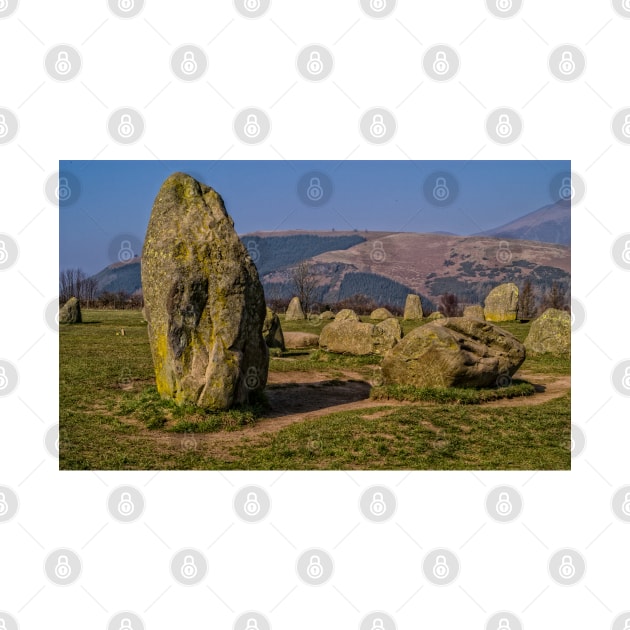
346, 314
413, 307
272, 331
204, 302
380, 314
434, 316
294, 310
352, 337
453, 352
551, 332
474, 312
70, 312
327, 315
300, 340
501, 303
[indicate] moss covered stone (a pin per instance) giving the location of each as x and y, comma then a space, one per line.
294, 310
453, 352
346, 314
70, 312
272, 331
474, 312
413, 307
380, 314
501, 304
204, 303
352, 337
551, 332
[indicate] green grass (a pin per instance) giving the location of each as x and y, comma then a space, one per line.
111, 417
454, 395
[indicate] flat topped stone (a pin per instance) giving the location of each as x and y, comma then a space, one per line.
204, 302
413, 307
501, 304
360, 338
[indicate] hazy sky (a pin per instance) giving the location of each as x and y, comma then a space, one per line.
110, 203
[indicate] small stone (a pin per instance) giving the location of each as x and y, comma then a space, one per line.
434, 316
380, 314
326, 315
272, 331
294, 340
352, 337
474, 312
294, 310
346, 314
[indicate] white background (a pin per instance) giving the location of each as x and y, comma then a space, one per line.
252, 63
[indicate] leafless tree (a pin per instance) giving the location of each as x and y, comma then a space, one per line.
449, 305
304, 284
526, 301
554, 298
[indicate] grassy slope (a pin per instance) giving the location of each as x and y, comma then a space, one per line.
111, 417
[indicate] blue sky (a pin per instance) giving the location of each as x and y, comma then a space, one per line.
114, 198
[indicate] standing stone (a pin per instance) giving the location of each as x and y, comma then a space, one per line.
502, 303
380, 314
413, 307
272, 331
204, 303
346, 314
453, 352
474, 312
551, 332
294, 310
70, 312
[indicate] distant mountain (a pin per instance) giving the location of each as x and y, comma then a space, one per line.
386, 266
549, 224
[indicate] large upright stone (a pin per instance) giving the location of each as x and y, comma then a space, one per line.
294, 310
272, 331
204, 303
453, 352
502, 303
413, 307
551, 332
70, 312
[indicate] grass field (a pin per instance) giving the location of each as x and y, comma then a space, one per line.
111, 416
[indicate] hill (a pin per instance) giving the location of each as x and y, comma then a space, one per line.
386, 266
549, 224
